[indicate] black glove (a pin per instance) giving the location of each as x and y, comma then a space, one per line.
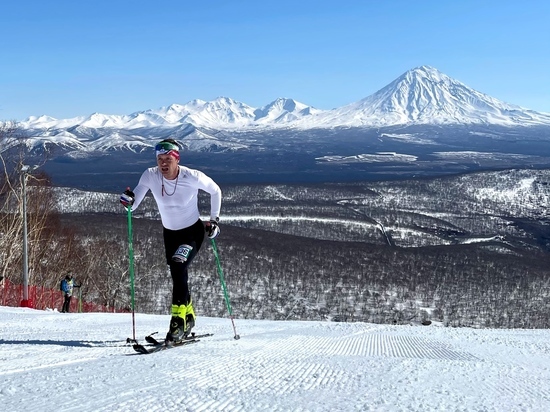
127, 198
212, 228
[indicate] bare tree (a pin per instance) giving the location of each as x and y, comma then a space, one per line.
48, 242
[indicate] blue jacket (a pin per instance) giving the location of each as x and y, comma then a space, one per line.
67, 286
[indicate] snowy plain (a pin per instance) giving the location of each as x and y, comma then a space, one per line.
52, 361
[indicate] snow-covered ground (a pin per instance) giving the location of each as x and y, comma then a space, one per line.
51, 361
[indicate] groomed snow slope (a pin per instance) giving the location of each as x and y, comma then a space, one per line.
51, 361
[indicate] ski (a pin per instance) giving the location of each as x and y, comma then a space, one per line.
144, 350
150, 339
160, 346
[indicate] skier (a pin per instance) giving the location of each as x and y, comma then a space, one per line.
67, 285
175, 189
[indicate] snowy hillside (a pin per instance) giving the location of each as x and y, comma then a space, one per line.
80, 362
396, 248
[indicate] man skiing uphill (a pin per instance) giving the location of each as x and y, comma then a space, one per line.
175, 189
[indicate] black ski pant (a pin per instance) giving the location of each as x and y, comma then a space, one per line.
192, 236
66, 303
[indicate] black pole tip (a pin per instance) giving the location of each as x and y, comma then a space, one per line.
237, 337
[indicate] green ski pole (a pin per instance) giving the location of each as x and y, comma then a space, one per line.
224, 287
131, 271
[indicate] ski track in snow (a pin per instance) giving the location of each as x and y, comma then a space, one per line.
80, 362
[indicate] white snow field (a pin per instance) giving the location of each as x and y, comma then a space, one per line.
51, 361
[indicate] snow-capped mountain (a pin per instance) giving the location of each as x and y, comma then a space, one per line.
421, 96
426, 96
220, 113
223, 113
283, 111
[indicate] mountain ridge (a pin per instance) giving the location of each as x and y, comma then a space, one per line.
422, 95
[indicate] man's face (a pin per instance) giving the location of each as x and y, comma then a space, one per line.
168, 166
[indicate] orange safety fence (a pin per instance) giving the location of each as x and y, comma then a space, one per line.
44, 298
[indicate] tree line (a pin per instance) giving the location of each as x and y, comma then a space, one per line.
277, 276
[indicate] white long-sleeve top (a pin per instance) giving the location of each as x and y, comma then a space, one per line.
178, 202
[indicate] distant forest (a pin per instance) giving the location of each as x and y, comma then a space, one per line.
465, 251
276, 276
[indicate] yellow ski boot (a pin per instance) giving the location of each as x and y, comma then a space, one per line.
178, 325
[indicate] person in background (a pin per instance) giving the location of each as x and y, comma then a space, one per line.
67, 286
175, 189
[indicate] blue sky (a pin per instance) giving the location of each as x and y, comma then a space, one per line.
73, 58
